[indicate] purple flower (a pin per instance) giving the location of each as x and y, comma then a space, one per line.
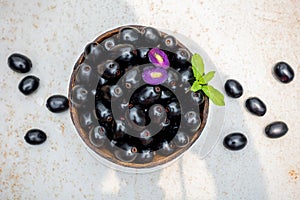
154, 75
158, 58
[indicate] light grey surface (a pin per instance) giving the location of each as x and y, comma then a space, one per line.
243, 39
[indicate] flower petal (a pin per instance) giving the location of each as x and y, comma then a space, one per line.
155, 75
159, 58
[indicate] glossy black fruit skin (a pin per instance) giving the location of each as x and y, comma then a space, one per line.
142, 55
35, 136
174, 109
183, 54
283, 72
130, 35
197, 97
87, 120
233, 88
256, 106
192, 121
19, 63
85, 74
57, 103
147, 95
103, 113
109, 43
97, 136
181, 139
79, 95
122, 53
145, 157
126, 153
93, 49
29, 84
137, 115
169, 42
166, 149
151, 36
109, 70
276, 129
235, 141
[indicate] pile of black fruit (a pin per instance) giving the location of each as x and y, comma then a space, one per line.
119, 114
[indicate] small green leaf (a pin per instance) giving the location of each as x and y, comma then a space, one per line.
214, 95
207, 77
197, 65
200, 80
196, 86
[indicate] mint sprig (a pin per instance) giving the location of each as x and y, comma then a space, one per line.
201, 82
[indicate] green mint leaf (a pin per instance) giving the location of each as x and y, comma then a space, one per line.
196, 86
207, 77
200, 80
214, 95
196, 72
197, 65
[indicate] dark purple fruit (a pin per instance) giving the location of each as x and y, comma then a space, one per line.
166, 95
183, 54
129, 35
235, 141
166, 123
187, 76
137, 115
276, 129
145, 157
142, 55
157, 114
233, 88
151, 36
166, 149
197, 97
132, 78
283, 72
181, 139
192, 121
116, 91
29, 84
109, 43
126, 153
169, 42
147, 95
57, 103
122, 53
97, 136
19, 63
172, 80
85, 74
143, 52
86, 119
35, 137
109, 69
92, 49
173, 109
256, 106
79, 95
120, 126
103, 113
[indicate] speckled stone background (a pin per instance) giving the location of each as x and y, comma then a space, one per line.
243, 38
